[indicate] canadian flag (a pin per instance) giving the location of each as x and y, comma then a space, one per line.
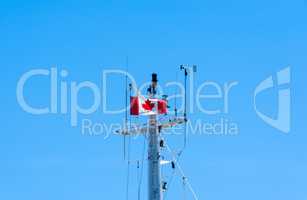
139, 105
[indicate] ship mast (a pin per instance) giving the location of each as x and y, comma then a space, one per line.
153, 130
154, 170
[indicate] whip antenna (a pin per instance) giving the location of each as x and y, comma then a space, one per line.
126, 128
187, 70
126, 105
175, 108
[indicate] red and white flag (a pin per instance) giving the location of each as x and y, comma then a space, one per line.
139, 105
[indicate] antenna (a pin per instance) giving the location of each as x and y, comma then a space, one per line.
187, 70
175, 107
126, 104
126, 125
153, 132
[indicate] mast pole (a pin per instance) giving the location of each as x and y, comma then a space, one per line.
154, 170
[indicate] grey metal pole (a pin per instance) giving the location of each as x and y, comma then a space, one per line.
154, 170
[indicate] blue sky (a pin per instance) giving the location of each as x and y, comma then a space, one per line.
43, 157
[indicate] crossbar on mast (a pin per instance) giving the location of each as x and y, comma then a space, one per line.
152, 130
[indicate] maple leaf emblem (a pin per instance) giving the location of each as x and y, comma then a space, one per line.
148, 105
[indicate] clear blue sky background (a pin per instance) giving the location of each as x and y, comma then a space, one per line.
42, 157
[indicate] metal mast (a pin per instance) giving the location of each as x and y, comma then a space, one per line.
153, 130
154, 170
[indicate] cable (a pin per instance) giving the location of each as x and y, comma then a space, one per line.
128, 170
172, 175
185, 107
176, 92
184, 188
126, 104
185, 70
182, 173
129, 148
169, 183
142, 169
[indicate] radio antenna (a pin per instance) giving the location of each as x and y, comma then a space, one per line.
187, 70
126, 105
151, 108
175, 108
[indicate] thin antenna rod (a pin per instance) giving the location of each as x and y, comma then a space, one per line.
129, 139
126, 104
185, 70
185, 107
175, 109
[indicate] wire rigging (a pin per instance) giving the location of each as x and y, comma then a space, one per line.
170, 183
184, 188
142, 169
187, 70
185, 107
185, 179
128, 121
176, 93
175, 156
128, 170
126, 105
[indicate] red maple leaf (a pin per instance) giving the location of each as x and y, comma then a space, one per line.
148, 105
